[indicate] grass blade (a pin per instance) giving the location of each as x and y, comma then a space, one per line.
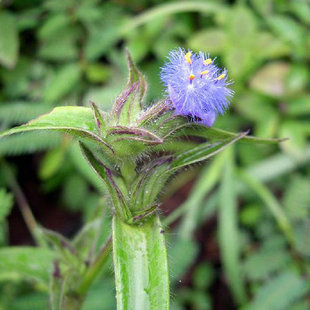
272, 203
228, 232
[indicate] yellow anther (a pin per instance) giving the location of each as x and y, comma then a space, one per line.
220, 77
204, 72
207, 61
188, 57
191, 77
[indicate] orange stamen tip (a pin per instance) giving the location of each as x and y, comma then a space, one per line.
191, 77
207, 61
188, 57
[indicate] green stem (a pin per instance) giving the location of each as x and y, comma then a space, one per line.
169, 9
23, 205
72, 302
140, 265
95, 268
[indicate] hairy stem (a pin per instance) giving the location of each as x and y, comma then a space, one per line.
23, 205
140, 265
95, 267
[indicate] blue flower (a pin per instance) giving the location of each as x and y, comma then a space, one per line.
196, 86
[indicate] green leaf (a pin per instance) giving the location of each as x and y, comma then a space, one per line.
229, 233
81, 165
8, 40
139, 43
62, 82
239, 54
52, 25
255, 107
60, 48
102, 34
251, 214
26, 263
32, 300
264, 7
263, 263
86, 238
203, 276
207, 180
297, 133
77, 121
273, 46
272, 204
52, 162
171, 9
298, 106
20, 112
213, 134
289, 30
140, 264
270, 79
149, 184
62, 246
214, 39
99, 118
296, 198
280, 292
178, 262
75, 192
201, 152
29, 142
301, 9
239, 16
297, 78
302, 233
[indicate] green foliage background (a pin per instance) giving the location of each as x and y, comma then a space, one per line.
68, 52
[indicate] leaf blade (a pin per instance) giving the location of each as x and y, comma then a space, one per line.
228, 233
77, 121
8, 40
202, 152
28, 262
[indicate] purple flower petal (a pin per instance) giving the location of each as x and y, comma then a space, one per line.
195, 85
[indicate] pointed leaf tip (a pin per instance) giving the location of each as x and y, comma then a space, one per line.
100, 123
134, 73
73, 120
128, 105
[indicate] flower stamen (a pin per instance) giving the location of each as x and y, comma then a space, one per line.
188, 57
191, 77
203, 73
220, 77
207, 61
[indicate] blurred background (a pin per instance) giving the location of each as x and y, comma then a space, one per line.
238, 226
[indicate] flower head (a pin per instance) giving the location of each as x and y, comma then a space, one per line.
195, 85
